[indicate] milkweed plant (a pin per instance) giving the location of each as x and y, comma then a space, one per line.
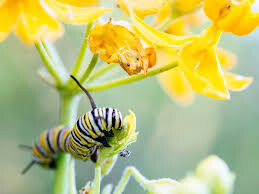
161, 45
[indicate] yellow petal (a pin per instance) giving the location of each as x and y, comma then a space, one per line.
117, 44
36, 24
214, 9
79, 3
186, 5
162, 39
74, 15
226, 58
237, 82
143, 8
166, 56
163, 14
207, 78
232, 16
9, 13
177, 86
179, 27
192, 52
247, 24
195, 18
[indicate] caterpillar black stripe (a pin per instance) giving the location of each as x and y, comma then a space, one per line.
82, 141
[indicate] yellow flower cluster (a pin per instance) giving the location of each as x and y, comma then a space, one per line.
202, 67
34, 20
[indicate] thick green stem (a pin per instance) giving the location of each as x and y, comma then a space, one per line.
97, 180
131, 79
82, 53
125, 178
90, 68
72, 180
68, 111
102, 71
50, 65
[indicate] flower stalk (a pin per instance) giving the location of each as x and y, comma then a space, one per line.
127, 80
50, 65
102, 71
97, 180
82, 53
125, 178
90, 68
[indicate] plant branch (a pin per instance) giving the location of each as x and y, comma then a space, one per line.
82, 53
50, 65
97, 180
102, 71
127, 80
125, 178
68, 110
90, 68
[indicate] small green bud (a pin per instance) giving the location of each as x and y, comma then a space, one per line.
122, 138
192, 185
216, 174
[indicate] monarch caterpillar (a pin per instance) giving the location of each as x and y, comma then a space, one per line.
82, 141
92, 128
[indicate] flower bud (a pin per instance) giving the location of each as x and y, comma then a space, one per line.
192, 185
216, 174
121, 139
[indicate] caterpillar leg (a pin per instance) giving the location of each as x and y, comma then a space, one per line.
28, 166
25, 147
95, 154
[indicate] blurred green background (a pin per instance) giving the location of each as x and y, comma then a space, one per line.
172, 139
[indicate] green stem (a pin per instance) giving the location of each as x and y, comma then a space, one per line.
125, 178
68, 110
72, 180
131, 79
90, 68
50, 65
52, 52
102, 71
97, 180
82, 53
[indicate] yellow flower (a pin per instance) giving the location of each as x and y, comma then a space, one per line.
117, 44
234, 16
199, 64
34, 20
142, 8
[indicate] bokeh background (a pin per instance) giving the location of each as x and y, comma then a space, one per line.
172, 139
